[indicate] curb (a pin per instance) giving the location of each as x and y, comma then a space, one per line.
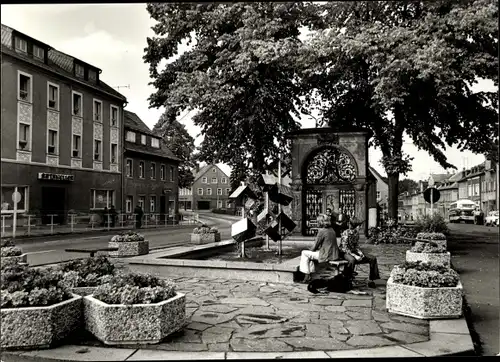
448, 337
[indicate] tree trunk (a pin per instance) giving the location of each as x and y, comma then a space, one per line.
393, 196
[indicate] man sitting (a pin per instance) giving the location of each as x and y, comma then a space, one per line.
349, 246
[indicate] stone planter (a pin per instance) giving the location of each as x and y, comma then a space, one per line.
205, 238
23, 258
40, 327
431, 258
424, 303
129, 248
83, 291
441, 244
134, 324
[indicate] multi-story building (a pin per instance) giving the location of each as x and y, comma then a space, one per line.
448, 194
150, 172
60, 132
489, 188
210, 190
469, 186
382, 187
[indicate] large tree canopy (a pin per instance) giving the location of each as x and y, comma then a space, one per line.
400, 67
239, 74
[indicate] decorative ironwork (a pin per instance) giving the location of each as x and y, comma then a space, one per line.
329, 166
348, 202
313, 207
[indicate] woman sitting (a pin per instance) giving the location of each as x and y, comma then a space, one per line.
349, 246
324, 249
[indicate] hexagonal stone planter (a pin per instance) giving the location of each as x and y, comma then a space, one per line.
134, 324
23, 258
40, 327
424, 303
129, 248
431, 258
205, 238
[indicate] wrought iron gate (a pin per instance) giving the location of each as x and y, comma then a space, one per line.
313, 207
348, 202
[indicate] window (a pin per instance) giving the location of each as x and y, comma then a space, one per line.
155, 142
129, 201
378, 195
25, 87
227, 191
77, 104
214, 170
223, 180
219, 191
114, 116
200, 191
204, 180
171, 173
129, 168
38, 52
152, 204
142, 201
79, 71
228, 204
53, 96
99, 199
469, 190
114, 153
21, 45
476, 189
8, 205
92, 75
52, 142
214, 180
162, 172
24, 136
153, 171
209, 191
130, 136
143, 139
141, 169
97, 111
97, 150
219, 204
76, 145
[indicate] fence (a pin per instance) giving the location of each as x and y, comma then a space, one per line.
77, 222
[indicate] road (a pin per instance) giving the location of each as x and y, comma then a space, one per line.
51, 250
474, 254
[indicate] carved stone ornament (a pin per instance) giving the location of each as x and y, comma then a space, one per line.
97, 131
25, 112
77, 126
53, 120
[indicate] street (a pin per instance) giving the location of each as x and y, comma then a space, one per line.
474, 254
51, 250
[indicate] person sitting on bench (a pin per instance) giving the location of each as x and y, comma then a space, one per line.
325, 248
349, 246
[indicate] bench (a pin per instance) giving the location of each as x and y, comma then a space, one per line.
89, 250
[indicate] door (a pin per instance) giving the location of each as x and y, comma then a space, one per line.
53, 201
163, 207
313, 207
347, 202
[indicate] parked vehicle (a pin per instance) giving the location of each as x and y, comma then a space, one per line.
491, 219
462, 210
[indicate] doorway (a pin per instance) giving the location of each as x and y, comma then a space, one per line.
53, 201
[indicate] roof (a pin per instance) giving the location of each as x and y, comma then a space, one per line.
58, 62
457, 177
133, 122
377, 175
204, 169
448, 186
441, 177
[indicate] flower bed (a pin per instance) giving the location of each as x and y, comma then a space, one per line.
437, 238
36, 311
424, 291
429, 253
11, 254
205, 234
134, 309
83, 276
129, 244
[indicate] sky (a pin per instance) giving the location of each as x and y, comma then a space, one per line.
112, 37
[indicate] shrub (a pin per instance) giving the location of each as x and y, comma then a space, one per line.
205, 229
390, 235
435, 224
431, 236
89, 272
135, 289
128, 236
27, 287
10, 251
425, 275
421, 247
6, 242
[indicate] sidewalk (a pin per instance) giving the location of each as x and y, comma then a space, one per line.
231, 319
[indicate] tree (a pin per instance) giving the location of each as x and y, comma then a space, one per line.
239, 74
181, 144
407, 185
405, 68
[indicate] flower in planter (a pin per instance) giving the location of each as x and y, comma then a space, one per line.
128, 236
89, 272
214, 230
10, 251
425, 275
204, 229
6, 242
431, 236
421, 247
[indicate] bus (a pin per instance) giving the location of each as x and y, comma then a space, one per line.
462, 210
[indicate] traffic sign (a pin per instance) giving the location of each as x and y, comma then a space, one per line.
16, 196
433, 193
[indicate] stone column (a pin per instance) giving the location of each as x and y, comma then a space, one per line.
297, 204
361, 204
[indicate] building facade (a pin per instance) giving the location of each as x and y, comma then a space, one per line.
61, 130
150, 172
489, 187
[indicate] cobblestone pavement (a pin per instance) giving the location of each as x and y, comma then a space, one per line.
247, 316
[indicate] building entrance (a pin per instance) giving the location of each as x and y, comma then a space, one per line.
53, 201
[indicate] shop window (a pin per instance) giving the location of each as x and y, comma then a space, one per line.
99, 199
7, 203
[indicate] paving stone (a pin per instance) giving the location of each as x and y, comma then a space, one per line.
362, 327
256, 310
208, 337
365, 314
330, 316
198, 326
381, 316
406, 337
340, 337
286, 331
404, 319
211, 317
185, 336
381, 352
337, 327
357, 303
406, 327
219, 347
244, 301
268, 290
315, 343
326, 301
254, 331
276, 355
369, 341
186, 347
458, 326
317, 330
335, 309
444, 344
218, 308
298, 299
260, 318
297, 307
151, 355
231, 324
260, 345
379, 304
